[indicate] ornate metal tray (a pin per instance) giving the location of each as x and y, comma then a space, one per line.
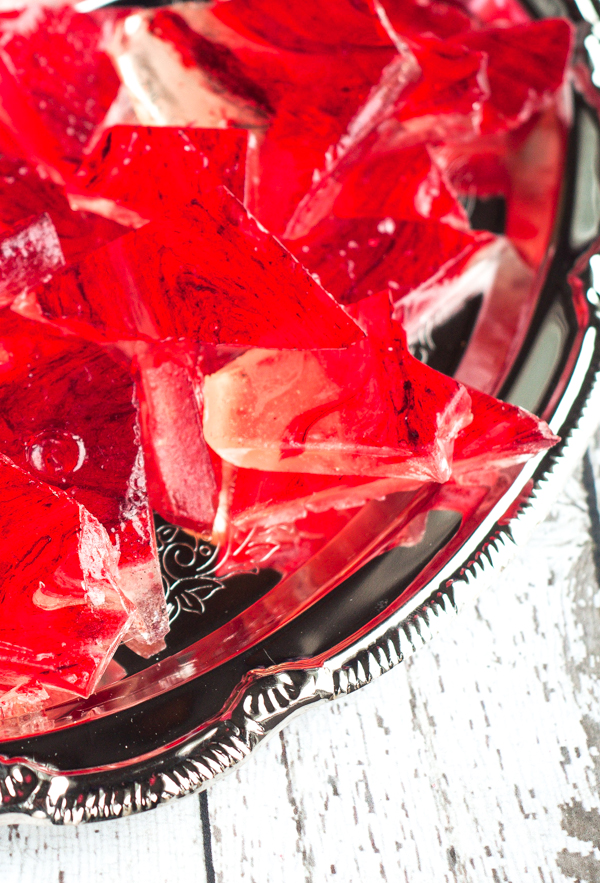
249, 651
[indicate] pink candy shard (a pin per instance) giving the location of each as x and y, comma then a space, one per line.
22, 698
25, 193
147, 169
369, 410
62, 612
181, 483
29, 254
69, 418
210, 275
57, 84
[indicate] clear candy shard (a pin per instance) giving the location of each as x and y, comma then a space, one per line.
29, 254
371, 409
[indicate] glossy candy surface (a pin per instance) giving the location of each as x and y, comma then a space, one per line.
213, 220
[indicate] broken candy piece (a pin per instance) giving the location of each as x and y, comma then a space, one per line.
526, 64
209, 275
176, 77
29, 254
500, 435
435, 17
357, 257
378, 181
57, 84
309, 91
369, 410
24, 193
62, 614
148, 168
181, 482
69, 417
304, 27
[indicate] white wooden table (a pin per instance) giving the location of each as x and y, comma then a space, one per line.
477, 760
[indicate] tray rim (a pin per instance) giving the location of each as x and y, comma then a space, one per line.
267, 699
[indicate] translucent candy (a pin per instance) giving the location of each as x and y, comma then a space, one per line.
356, 257
146, 169
29, 254
69, 418
241, 288
525, 66
62, 612
25, 193
371, 409
57, 84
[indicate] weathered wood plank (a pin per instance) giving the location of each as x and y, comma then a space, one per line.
479, 760
161, 846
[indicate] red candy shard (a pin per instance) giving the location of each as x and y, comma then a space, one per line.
25, 193
29, 254
69, 418
181, 482
430, 17
209, 275
62, 612
147, 169
369, 410
498, 12
308, 93
304, 27
500, 435
354, 258
526, 64
57, 84
378, 181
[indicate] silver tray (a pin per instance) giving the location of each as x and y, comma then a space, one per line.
248, 652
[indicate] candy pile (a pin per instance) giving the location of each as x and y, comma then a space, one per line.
218, 225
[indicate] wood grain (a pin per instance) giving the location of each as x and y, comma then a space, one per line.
163, 845
478, 760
